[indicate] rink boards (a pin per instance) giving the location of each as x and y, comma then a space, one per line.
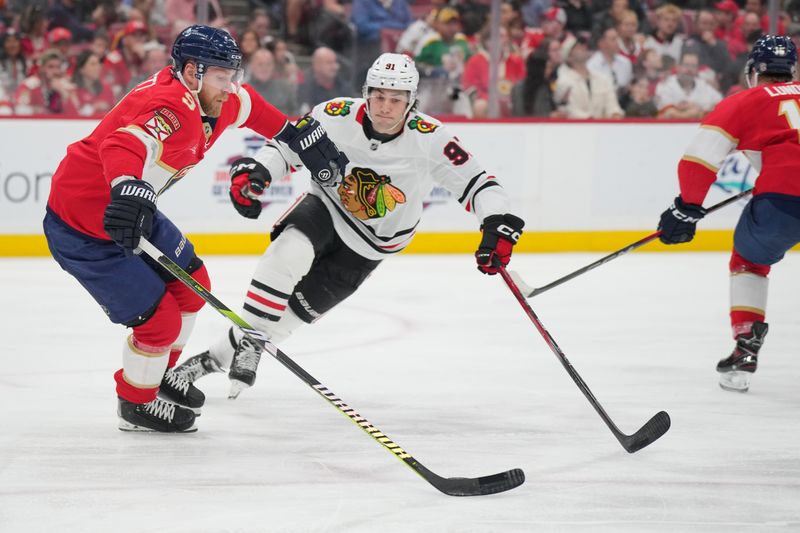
585, 186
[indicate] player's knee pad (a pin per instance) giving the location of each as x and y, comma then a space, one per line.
328, 283
161, 330
188, 301
739, 264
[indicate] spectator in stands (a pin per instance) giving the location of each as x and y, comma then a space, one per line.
553, 23
154, 59
123, 64
641, 103
248, 44
92, 96
49, 91
261, 24
100, 45
579, 92
666, 39
6, 107
728, 30
449, 42
630, 40
684, 94
579, 16
33, 26
651, 68
322, 83
285, 64
608, 18
533, 11
182, 13
70, 14
751, 28
369, 18
260, 75
533, 96
610, 63
711, 51
475, 79
61, 40
13, 64
419, 32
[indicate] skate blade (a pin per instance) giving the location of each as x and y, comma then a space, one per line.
735, 381
236, 388
195, 410
124, 425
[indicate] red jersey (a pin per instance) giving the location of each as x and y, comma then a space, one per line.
764, 123
156, 133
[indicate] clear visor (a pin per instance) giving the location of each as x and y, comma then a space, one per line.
223, 79
380, 97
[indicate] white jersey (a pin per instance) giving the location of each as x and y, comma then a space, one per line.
377, 207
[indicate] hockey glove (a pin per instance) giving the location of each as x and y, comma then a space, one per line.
249, 179
679, 221
317, 152
129, 216
500, 234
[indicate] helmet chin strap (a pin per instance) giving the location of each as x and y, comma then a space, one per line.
402, 117
194, 92
751, 82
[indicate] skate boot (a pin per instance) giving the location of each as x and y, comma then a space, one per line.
737, 369
197, 366
243, 368
158, 416
177, 390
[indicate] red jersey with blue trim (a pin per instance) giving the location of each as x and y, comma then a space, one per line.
156, 133
762, 122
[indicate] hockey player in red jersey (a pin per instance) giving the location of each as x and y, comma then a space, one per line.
764, 123
103, 200
331, 240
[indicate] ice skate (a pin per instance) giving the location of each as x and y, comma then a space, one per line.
243, 368
737, 369
156, 416
197, 366
176, 389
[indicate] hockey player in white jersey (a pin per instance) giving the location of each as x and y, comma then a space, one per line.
335, 235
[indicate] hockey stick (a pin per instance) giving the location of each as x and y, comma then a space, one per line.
453, 486
529, 292
647, 434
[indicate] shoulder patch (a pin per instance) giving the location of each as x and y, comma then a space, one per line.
338, 108
422, 126
159, 126
171, 117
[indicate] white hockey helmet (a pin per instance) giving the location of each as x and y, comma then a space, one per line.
393, 71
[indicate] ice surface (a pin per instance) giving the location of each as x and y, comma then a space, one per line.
443, 360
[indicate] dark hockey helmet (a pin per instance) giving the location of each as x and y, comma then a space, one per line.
771, 54
206, 47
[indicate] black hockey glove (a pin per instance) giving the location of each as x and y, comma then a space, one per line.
679, 221
129, 216
317, 152
500, 234
249, 179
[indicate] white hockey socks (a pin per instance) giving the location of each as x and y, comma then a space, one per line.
279, 270
748, 300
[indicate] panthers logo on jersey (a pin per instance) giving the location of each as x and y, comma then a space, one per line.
339, 108
422, 126
366, 194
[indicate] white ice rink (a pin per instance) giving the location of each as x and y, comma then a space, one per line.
444, 361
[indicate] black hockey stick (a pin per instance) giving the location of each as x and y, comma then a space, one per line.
529, 292
453, 486
647, 434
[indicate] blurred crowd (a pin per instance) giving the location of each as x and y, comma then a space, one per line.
559, 58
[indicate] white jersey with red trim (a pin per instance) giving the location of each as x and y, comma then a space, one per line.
377, 207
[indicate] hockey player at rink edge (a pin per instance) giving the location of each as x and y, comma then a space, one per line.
763, 122
331, 240
104, 198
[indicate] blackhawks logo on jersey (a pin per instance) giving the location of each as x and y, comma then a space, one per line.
366, 194
422, 126
339, 108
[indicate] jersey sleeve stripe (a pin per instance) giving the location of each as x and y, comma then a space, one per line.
699, 161
730, 137
709, 147
469, 186
245, 107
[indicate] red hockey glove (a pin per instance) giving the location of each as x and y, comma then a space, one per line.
500, 234
249, 179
